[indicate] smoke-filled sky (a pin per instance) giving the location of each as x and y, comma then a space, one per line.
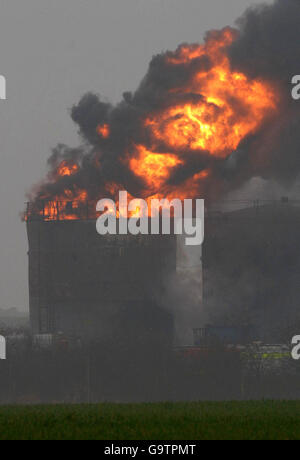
53, 52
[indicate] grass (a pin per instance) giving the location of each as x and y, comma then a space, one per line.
166, 421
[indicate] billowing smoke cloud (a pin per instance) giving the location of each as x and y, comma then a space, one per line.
268, 47
204, 120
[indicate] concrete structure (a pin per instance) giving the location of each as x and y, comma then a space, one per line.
83, 284
251, 269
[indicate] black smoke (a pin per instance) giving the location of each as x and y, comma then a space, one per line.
266, 47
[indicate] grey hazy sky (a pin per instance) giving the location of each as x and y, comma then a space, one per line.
52, 52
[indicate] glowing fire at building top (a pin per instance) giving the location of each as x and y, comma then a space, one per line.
171, 138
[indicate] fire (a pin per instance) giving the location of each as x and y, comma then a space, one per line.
66, 206
229, 107
67, 168
226, 107
170, 147
153, 167
103, 130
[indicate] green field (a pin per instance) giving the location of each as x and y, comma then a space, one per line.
166, 421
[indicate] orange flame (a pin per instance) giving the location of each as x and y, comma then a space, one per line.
208, 115
153, 167
230, 107
67, 168
226, 107
103, 131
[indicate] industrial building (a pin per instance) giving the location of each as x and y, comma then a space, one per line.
90, 286
86, 285
113, 288
251, 270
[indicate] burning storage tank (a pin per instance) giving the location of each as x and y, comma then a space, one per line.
200, 125
251, 271
86, 285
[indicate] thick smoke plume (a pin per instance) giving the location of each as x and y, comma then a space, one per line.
268, 47
204, 120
